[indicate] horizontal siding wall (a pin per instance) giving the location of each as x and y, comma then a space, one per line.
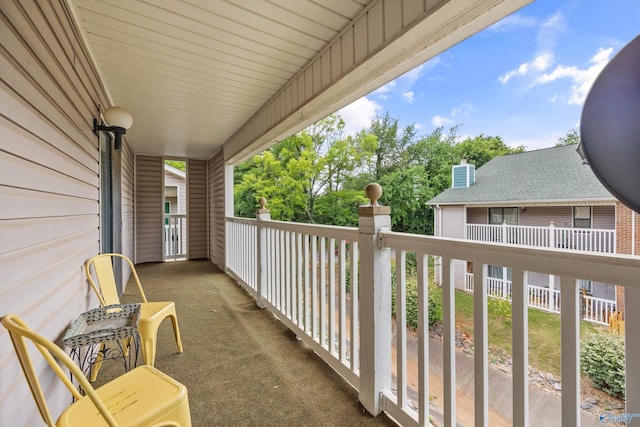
49, 187
128, 208
541, 216
477, 216
149, 209
453, 221
197, 211
216, 211
604, 217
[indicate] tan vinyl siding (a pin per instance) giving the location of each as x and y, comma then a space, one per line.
49, 186
453, 221
541, 216
216, 210
477, 216
197, 211
128, 208
603, 217
149, 209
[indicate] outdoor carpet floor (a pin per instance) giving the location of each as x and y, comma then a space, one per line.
241, 366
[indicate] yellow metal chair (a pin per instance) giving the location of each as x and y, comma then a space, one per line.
151, 313
141, 397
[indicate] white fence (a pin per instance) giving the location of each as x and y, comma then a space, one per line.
311, 276
580, 239
175, 236
592, 309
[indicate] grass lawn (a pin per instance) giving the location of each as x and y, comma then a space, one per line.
544, 333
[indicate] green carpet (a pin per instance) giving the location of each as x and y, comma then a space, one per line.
241, 366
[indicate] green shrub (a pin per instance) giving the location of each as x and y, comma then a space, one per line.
602, 359
434, 305
499, 307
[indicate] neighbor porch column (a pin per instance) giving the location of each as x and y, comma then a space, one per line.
375, 302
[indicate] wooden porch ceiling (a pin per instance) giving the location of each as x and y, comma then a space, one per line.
196, 73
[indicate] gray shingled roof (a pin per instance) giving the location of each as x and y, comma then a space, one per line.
547, 175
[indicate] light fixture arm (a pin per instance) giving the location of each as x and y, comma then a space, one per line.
117, 131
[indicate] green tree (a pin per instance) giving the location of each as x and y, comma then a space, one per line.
480, 149
571, 138
391, 144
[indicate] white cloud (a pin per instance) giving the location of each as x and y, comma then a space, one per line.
538, 64
549, 31
385, 88
513, 22
412, 76
408, 97
582, 79
439, 121
462, 110
359, 114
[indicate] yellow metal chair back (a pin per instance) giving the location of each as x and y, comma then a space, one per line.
151, 313
141, 397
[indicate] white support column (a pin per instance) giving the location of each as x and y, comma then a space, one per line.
375, 302
449, 340
228, 205
570, 351
263, 214
520, 348
481, 345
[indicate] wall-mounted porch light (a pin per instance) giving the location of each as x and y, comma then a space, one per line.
118, 121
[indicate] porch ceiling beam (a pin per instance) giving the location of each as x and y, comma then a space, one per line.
388, 39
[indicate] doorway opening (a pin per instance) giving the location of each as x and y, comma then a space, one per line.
175, 210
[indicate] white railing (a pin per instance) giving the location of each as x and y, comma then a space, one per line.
242, 251
597, 310
468, 282
301, 276
544, 298
303, 273
175, 233
580, 239
499, 288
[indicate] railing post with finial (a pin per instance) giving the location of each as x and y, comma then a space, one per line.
263, 214
375, 302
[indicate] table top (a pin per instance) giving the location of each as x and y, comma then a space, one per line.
103, 324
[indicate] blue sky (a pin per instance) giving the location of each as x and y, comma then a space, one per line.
523, 79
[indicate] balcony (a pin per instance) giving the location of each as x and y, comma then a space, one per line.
578, 239
309, 275
248, 366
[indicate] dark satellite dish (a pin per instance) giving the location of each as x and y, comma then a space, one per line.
610, 126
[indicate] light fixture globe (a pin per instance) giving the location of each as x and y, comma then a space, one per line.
118, 117
118, 121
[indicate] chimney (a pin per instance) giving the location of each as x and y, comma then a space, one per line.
463, 175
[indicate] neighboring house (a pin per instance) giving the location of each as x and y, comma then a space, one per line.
175, 210
175, 190
542, 198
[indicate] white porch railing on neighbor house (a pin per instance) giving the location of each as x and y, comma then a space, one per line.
544, 298
580, 239
593, 309
175, 232
299, 272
